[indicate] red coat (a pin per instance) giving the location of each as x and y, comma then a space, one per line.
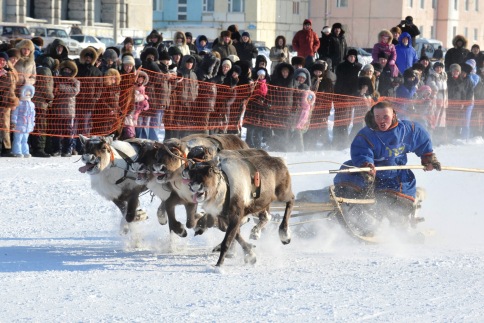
306, 43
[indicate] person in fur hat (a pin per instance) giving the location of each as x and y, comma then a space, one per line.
306, 41
57, 50
279, 53
155, 40
457, 54
128, 47
107, 114
298, 62
25, 66
8, 101
224, 45
23, 122
109, 60
43, 102
66, 88
180, 41
386, 46
338, 47
246, 50
38, 44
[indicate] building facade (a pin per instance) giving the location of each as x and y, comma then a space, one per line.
263, 19
438, 19
95, 17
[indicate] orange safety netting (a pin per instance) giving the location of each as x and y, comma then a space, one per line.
99, 106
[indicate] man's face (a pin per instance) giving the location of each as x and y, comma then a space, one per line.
351, 58
383, 118
150, 57
154, 39
127, 68
59, 49
245, 39
382, 61
285, 73
405, 41
337, 31
189, 40
3, 62
226, 39
88, 59
475, 50
307, 26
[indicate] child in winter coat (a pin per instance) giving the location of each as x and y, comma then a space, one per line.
140, 104
23, 122
257, 107
385, 45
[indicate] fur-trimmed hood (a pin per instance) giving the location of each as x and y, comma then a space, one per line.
385, 32
70, 64
209, 67
305, 72
91, 50
179, 34
461, 38
144, 75
25, 43
276, 43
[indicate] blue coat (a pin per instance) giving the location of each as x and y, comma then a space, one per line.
24, 116
406, 55
388, 148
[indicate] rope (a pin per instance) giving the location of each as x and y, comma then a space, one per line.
383, 168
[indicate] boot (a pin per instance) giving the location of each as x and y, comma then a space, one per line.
40, 153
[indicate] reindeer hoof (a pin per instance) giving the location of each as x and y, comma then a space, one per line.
250, 258
162, 218
285, 236
255, 233
141, 215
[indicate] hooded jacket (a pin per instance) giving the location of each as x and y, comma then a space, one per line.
387, 48
24, 115
25, 66
67, 88
306, 42
185, 50
347, 77
337, 46
279, 54
187, 88
406, 55
458, 53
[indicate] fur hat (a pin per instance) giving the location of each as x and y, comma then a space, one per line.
226, 33
113, 72
13, 52
437, 64
4, 55
70, 64
245, 33
174, 50
236, 69
454, 67
298, 60
110, 54
337, 25
88, 51
319, 66
144, 75
353, 52
25, 43
233, 58
38, 41
128, 60
149, 51
164, 56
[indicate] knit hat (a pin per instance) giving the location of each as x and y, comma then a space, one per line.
302, 74
4, 55
455, 67
188, 34
233, 58
261, 72
377, 67
227, 62
383, 55
38, 41
164, 56
437, 64
368, 67
353, 52
110, 54
466, 68
128, 60
245, 33
472, 63
424, 58
174, 50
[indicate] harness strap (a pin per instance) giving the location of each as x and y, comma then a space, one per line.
225, 208
128, 161
254, 179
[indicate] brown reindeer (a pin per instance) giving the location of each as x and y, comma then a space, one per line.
224, 188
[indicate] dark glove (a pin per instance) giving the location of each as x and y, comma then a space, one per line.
430, 162
369, 176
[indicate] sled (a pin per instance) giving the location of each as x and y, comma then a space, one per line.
346, 212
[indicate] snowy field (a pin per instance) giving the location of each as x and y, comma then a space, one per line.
63, 259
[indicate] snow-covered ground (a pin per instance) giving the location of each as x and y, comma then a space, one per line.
62, 258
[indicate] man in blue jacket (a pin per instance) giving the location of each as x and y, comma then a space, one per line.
385, 141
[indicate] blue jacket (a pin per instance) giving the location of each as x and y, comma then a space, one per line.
388, 148
406, 55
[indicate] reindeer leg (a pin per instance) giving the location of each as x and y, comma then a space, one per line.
192, 215
173, 223
284, 231
249, 254
232, 231
161, 214
123, 207
264, 218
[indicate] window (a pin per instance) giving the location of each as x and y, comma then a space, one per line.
236, 5
422, 4
182, 9
434, 4
454, 31
295, 8
432, 32
158, 5
476, 34
208, 5
466, 34
341, 3
477, 5
421, 28
410, 3
467, 5
456, 4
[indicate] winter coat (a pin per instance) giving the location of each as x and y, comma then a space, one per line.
185, 50
460, 88
44, 88
246, 51
338, 47
306, 43
347, 77
388, 148
187, 88
438, 84
406, 55
279, 54
308, 99
208, 68
65, 91
199, 46
158, 44
8, 99
223, 49
387, 48
25, 66
23, 117
457, 54
325, 46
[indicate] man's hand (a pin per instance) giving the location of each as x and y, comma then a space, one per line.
370, 175
430, 162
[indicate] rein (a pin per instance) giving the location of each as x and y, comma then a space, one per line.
128, 161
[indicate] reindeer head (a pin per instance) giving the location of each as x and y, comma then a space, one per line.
149, 155
98, 154
204, 179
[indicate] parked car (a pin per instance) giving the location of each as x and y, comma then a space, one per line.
49, 33
10, 31
430, 46
86, 41
108, 41
363, 56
